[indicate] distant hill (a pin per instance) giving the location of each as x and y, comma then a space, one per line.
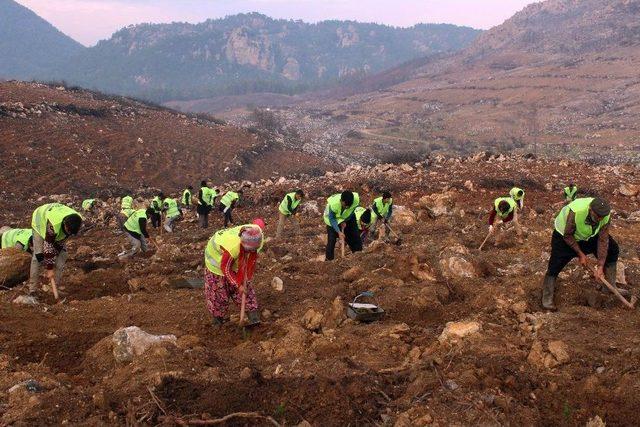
30, 47
251, 53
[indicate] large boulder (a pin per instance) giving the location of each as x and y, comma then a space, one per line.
455, 264
456, 331
14, 267
132, 341
629, 190
403, 216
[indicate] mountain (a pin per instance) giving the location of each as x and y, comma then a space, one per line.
30, 47
558, 74
251, 53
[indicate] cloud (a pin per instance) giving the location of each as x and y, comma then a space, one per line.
91, 20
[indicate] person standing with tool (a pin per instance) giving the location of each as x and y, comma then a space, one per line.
289, 210
228, 203
206, 197
581, 228
230, 259
52, 225
339, 216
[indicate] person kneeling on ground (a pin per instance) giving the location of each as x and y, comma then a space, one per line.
339, 216
581, 228
52, 224
230, 259
136, 228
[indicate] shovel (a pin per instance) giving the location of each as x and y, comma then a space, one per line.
54, 288
398, 238
629, 304
485, 241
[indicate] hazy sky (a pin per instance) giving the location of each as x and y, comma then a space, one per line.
91, 20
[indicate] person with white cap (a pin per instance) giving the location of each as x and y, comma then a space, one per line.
581, 228
230, 260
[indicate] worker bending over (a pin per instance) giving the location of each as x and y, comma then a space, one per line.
382, 209
136, 229
126, 209
206, 199
88, 205
172, 213
52, 224
186, 198
504, 210
156, 205
581, 228
517, 194
230, 259
289, 210
228, 203
570, 193
364, 218
19, 238
339, 216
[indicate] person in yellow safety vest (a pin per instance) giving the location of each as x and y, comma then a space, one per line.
206, 200
19, 238
172, 213
156, 205
228, 203
339, 216
52, 224
88, 204
517, 194
230, 259
570, 193
364, 218
186, 198
289, 209
126, 209
581, 228
136, 228
382, 208
504, 209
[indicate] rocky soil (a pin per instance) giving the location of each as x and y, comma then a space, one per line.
464, 340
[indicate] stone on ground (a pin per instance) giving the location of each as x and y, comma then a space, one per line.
132, 341
455, 331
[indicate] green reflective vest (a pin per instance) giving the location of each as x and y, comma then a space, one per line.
88, 204
156, 204
126, 207
133, 223
381, 207
54, 214
229, 197
225, 240
334, 205
284, 205
514, 194
362, 225
186, 198
584, 231
570, 194
172, 207
512, 206
14, 236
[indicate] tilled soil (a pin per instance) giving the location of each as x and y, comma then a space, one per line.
336, 371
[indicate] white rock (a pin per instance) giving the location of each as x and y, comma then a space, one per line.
455, 331
26, 300
277, 284
132, 341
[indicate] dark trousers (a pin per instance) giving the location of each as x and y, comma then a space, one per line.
351, 234
203, 215
562, 254
227, 215
155, 219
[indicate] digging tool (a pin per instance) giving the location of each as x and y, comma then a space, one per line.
54, 288
243, 303
485, 240
398, 238
629, 304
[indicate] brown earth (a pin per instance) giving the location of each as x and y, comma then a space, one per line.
523, 366
88, 142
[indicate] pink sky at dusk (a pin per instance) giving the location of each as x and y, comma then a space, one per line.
88, 21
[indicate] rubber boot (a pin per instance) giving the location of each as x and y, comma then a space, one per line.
253, 318
611, 274
548, 291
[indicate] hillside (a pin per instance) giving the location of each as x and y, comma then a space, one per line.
57, 140
251, 53
30, 47
558, 75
